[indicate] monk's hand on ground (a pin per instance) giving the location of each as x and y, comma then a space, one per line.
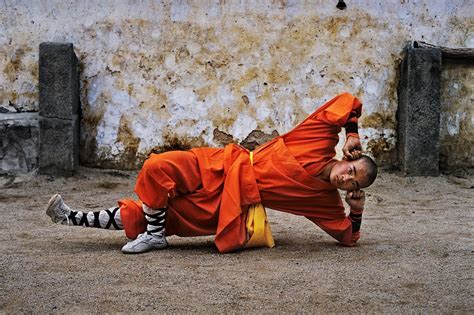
356, 199
352, 148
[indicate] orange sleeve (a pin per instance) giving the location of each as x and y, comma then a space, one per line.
343, 111
340, 229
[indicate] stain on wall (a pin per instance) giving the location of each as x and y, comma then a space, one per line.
179, 74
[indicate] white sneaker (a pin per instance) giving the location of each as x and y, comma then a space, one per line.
57, 210
145, 242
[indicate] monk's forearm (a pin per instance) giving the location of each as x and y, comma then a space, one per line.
351, 125
351, 128
356, 220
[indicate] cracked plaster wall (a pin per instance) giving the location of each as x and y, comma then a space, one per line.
177, 74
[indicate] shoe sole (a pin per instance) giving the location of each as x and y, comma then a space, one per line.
53, 203
147, 250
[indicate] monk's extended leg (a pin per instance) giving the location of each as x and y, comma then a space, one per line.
61, 213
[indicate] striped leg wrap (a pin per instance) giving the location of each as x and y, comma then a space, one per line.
156, 222
104, 219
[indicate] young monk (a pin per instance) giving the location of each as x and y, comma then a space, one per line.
209, 191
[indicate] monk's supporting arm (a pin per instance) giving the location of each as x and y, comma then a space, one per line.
356, 219
356, 200
342, 229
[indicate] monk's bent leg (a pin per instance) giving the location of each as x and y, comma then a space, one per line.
167, 175
61, 213
163, 176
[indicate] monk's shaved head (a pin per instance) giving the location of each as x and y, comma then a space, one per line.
351, 175
371, 169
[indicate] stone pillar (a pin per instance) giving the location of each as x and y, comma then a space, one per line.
58, 109
418, 113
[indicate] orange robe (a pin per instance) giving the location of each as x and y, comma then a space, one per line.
208, 190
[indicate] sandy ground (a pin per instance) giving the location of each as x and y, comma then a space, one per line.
415, 255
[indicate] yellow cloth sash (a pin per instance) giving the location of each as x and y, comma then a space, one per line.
258, 228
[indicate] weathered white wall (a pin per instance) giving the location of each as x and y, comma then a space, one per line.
171, 74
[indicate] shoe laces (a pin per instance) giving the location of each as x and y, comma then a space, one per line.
67, 219
142, 235
65, 211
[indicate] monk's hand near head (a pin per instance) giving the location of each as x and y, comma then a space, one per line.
352, 148
356, 200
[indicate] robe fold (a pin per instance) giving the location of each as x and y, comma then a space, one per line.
208, 190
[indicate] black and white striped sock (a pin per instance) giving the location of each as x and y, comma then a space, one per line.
156, 220
104, 219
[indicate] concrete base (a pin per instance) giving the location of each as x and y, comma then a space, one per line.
18, 142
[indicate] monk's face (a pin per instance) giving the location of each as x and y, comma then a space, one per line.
349, 175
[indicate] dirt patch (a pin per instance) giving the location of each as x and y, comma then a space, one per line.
108, 185
222, 138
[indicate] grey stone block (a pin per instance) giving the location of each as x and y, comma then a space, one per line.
18, 143
418, 113
59, 146
58, 81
